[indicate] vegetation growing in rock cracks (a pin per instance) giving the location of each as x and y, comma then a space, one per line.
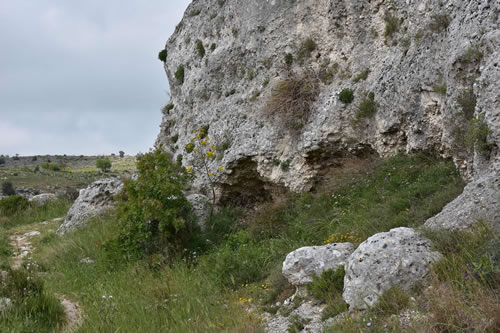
346, 96
477, 135
439, 22
291, 99
392, 25
307, 46
200, 49
367, 107
179, 74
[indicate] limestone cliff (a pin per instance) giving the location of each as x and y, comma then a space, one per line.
425, 76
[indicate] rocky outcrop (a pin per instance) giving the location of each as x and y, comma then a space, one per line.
400, 257
432, 67
479, 201
302, 264
96, 199
42, 199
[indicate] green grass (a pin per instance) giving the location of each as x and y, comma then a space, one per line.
463, 295
34, 213
237, 261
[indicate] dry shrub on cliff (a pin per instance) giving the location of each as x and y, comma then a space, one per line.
292, 99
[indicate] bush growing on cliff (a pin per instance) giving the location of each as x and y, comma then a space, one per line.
367, 107
477, 135
346, 96
292, 99
179, 74
392, 25
306, 48
439, 22
163, 55
200, 49
155, 217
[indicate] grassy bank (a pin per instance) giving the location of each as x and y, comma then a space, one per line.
235, 265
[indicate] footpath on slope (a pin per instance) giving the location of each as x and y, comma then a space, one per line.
23, 248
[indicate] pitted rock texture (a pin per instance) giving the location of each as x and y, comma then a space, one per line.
42, 199
302, 264
96, 199
400, 257
245, 42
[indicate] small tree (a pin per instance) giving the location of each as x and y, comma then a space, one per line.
204, 152
8, 189
104, 164
156, 215
122, 153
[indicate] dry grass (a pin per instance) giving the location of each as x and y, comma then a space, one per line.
292, 98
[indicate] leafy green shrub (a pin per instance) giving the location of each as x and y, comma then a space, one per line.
288, 58
8, 189
200, 49
346, 96
12, 205
179, 74
363, 75
54, 166
392, 25
2, 160
439, 22
306, 48
367, 107
155, 216
477, 135
163, 55
104, 164
213, 47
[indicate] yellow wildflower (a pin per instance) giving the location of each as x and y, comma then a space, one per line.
210, 154
210, 174
221, 168
189, 168
213, 147
204, 142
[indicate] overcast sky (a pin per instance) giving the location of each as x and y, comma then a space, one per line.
82, 77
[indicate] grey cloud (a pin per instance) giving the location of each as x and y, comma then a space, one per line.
82, 76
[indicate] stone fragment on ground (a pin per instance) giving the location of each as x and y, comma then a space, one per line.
302, 264
400, 257
42, 199
95, 200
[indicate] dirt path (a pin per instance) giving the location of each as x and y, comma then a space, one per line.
23, 249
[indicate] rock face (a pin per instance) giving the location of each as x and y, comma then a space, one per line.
400, 257
42, 199
92, 201
432, 67
302, 264
480, 200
